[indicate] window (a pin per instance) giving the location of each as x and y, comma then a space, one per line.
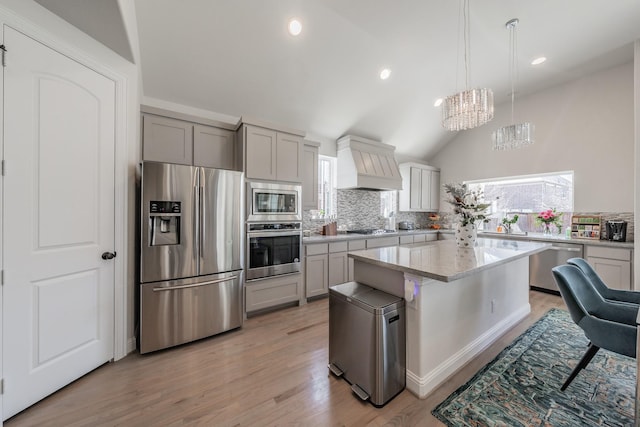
327, 178
526, 196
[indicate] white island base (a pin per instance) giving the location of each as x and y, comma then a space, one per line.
450, 320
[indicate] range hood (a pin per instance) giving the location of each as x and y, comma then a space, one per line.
367, 164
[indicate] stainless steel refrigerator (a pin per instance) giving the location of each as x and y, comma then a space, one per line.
191, 253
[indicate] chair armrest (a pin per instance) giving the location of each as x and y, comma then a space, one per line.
619, 312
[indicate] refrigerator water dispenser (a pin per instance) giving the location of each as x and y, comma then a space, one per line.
164, 223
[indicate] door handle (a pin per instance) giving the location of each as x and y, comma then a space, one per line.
108, 255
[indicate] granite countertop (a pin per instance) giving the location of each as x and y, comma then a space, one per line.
554, 238
319, 238
444, 261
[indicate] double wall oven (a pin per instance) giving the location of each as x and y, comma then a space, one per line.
274, 234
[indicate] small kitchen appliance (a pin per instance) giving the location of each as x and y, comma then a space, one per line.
406, 225
616, 230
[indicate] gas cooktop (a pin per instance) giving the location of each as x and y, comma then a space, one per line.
371, 231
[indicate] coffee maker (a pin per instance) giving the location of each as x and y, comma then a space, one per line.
616, 230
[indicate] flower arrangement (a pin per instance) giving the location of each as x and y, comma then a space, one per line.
508, 223
548, 217
466, 203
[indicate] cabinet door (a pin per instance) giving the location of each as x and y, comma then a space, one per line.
316, 275
260, 153
310, 177
405, 240
415, 190
213, 147
167, 140
338, 268
354, 245
614, 273
434, 193
425, 190
288, 157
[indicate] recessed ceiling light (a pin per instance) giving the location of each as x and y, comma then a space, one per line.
538, 61
295, 27
384, 74
438, 102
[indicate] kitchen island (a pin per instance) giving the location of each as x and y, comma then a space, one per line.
458, 301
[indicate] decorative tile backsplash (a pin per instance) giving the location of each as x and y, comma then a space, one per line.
359, 209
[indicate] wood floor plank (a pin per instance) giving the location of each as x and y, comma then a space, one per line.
272, 371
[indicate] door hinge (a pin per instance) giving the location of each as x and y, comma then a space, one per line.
2, 167
2, 277
4, 55
2, 386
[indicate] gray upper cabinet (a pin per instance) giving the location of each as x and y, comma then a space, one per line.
167, 140
173, 137
271, 154
310, 175
421, 188
260, 153
214, 147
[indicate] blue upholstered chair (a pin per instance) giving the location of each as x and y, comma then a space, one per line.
606, 292
607, 324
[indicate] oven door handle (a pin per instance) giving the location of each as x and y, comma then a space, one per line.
282, 233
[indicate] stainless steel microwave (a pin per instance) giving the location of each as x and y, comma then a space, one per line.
273, 202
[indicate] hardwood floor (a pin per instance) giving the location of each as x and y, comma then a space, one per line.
273, 371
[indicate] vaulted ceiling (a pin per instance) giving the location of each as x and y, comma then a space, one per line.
236, 57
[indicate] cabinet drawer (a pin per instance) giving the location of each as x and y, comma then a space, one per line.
419, 238
611, 253
356, 245
317, 249
431, 237
272, 292
338, 247
382, 241
406, 239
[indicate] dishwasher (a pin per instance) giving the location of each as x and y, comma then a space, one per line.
540, 265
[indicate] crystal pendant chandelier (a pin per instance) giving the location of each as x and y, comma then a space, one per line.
471, 107
520, 134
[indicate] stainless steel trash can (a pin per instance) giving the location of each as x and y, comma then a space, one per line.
367, 340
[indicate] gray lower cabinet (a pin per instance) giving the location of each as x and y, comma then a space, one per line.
338, 263
316, 275
354, 245
267, 293
326, 264
613, 265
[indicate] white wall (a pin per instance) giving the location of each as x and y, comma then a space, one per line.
586, 125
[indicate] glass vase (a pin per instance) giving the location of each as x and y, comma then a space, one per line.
547, 229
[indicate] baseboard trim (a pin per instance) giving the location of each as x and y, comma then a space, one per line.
422, 386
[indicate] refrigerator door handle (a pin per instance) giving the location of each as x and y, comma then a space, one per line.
196, 220
195, 285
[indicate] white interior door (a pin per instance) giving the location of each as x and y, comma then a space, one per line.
58, 211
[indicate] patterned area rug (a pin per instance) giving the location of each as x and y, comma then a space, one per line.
521, 386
